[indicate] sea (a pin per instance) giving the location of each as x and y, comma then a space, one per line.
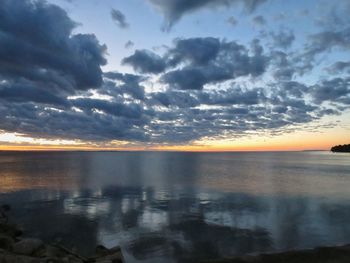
180, 206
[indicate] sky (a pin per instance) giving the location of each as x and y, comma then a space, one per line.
192, 75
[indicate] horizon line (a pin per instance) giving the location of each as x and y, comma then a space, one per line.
159, 150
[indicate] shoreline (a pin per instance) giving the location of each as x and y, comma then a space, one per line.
15, 248
329, 254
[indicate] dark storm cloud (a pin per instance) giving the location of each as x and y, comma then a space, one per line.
212, 62
119, 18
24, 91
334, 90
42, 62
179, 99
34, 120
52, 86
326, 40
202, 61
126, 78
233, 96
171, 116
232, 111
283, 67
130, 111
293, 88
145, 61
173, 10
339, 67
284, 73
198, 51
29, 33
194, 78
130, 84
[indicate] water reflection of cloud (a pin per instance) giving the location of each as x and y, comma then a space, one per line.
180, 226
153, 219
92, 208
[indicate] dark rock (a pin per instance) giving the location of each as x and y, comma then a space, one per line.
113, 258
101, 251
3, 213
105, 255
10, 230
27, 246
31, 250
71, 259
53, 260
5, 208
6, 242
10, 258
53, 252
317, 255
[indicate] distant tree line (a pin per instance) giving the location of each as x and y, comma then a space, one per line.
341, 148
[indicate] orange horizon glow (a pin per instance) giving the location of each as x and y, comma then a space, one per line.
175, 148
296, 141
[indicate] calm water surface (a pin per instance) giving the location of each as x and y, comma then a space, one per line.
180, 207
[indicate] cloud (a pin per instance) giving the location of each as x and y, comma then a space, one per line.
25, 91
339, 67
27, 43
283, 38
119, 18
214, 61
145, 61
283, 67
259, 20
326, 40
321, 44
333, 35
120, 109
234, 96
198, 51
193, 78
169, 116
334, 90
42, 63
232, 21
130, 84
174, 98
52, 85
36, 121
174, 10
201, 61
129, 44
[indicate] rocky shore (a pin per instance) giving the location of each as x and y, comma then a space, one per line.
340, 254
16, 248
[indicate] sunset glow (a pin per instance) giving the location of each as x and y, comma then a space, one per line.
171, 131
209, 76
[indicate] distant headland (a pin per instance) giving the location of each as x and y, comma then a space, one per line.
341, 148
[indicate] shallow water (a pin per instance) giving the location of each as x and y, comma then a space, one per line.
180, 207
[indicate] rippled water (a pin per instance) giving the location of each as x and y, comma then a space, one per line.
180, 207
